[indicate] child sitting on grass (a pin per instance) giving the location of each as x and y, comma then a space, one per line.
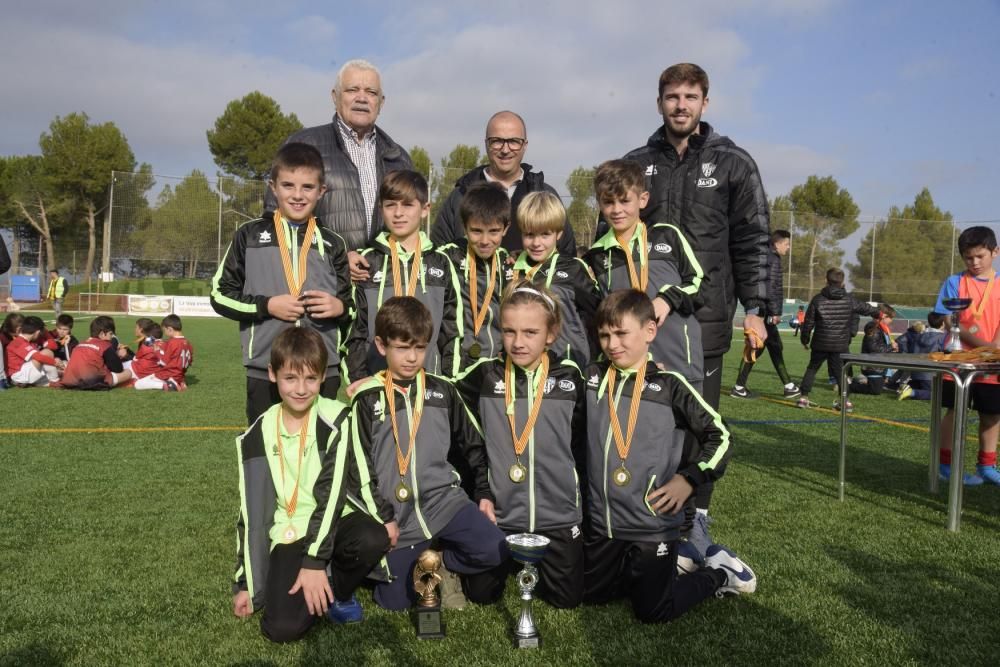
96, 364
930, 339
872, 380
28, 365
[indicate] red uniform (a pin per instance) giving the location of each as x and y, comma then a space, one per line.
86, 368
20, 351
177, 358
148, 359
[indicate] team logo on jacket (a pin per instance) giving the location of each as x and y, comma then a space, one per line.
663, 248
662, 549
594, 380
562, 274
651, 170
377, 409
653, 386
550, 384
464, 264
567, 385
428, 395
509, 275
377, 278
436, 272
499, 387
265, 237
707, 169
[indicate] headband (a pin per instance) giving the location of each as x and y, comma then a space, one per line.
531, 290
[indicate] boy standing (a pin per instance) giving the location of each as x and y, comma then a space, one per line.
282, 271
301, 483
178, 355
26, 365
654, 259
980, 327
57, 291
423, 442
481, 263
638, 478
781, 243
833, 314
404, 262
96, 364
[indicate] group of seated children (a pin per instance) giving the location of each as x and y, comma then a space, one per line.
478, 410
34, 357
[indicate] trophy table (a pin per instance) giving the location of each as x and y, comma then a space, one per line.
527, 549
427, 616
953, 343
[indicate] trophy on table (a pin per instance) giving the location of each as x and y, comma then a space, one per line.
527, 549
953, 343
426, 580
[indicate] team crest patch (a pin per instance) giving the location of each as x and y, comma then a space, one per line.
550, 384
707, 169
265, 237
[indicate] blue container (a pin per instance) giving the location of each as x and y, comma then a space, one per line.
25, 288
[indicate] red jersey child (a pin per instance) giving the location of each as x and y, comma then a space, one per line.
148, 358
95, 363
27, 365
178, 355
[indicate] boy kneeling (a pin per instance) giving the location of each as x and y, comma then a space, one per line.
300, 485
638, 481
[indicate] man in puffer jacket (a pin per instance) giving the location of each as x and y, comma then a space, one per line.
828, 328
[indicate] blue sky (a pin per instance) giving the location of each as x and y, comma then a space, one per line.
887, 97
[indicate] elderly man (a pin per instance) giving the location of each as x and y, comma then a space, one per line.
506, 142
356, 156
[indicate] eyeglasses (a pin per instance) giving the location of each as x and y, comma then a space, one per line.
514, 143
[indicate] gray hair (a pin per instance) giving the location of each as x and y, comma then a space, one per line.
355, 64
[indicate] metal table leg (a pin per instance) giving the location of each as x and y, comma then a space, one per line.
958, 453
843, 427
932, 471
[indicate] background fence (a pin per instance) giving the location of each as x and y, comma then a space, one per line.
163, 227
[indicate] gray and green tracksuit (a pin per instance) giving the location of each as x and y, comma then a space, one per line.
334, 481
674, 276
549, 498
252, 272
489, 338
668, 404
437, 289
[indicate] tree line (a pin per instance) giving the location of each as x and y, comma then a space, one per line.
56, 202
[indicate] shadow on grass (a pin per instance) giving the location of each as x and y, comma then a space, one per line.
33, 654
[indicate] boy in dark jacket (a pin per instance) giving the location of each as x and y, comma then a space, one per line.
931, 339
828, 328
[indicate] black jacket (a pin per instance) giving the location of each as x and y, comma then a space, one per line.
830, 314
4, 257
448, 226
775, 283
342, 207
716, 198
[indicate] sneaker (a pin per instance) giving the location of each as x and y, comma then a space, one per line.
833, 381
340, 613
688, 558
968, 479
905, 392
742, 392
740, 578
848, 404
793, 391
805, 403
698, 537
170, 385
989, 474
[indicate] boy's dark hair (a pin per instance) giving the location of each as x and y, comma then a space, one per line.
32, 324
523, 291
12, 323
152, 330
297, 155
299, 348
101, 324
172, 321
624, 302
485, 202
143, 322
977, 237
885, 310
935, 319
614, 179
780, 235
835, 277
53, 272
405, 319
684, 73
802, 307
871, 327
64, 321
403, 185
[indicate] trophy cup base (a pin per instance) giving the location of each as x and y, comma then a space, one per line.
428, 623
527, 642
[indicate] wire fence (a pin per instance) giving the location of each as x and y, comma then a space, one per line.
163, 227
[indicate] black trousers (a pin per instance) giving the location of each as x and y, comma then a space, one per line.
262, 394
358, 544
775, 349
646, 573
816, 359
710, 391
560, 573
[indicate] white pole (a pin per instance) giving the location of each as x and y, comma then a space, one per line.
106, 261
791, 232
954, 232
871, 273
218, 245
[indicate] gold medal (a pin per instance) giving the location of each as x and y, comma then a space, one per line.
289, 535
403, 493
517, 473
475, 350
621, 476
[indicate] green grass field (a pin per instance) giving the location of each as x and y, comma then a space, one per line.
117, 547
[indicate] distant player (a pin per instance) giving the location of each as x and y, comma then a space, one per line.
95, 363
149, 357
28, 366
178, 355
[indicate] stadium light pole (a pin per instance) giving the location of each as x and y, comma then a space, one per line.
218, 243
106, 245
871, 272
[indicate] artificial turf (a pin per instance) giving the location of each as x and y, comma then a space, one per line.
118, 547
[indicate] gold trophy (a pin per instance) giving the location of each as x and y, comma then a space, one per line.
527, 549
426, 580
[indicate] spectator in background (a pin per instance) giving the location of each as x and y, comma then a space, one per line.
4, 257
922, 341
57, 291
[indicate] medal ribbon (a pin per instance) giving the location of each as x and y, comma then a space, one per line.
390, 397
411, 286
479, 315
294, 282
292, 503
624, 444
978, 309
638, 282
521, 441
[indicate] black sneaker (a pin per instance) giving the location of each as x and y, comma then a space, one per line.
742, 392
793, 392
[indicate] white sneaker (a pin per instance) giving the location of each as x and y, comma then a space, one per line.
740, 579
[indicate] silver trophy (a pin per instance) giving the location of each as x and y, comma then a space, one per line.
954, 341
527, 549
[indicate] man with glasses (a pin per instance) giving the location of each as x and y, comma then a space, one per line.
506, 142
